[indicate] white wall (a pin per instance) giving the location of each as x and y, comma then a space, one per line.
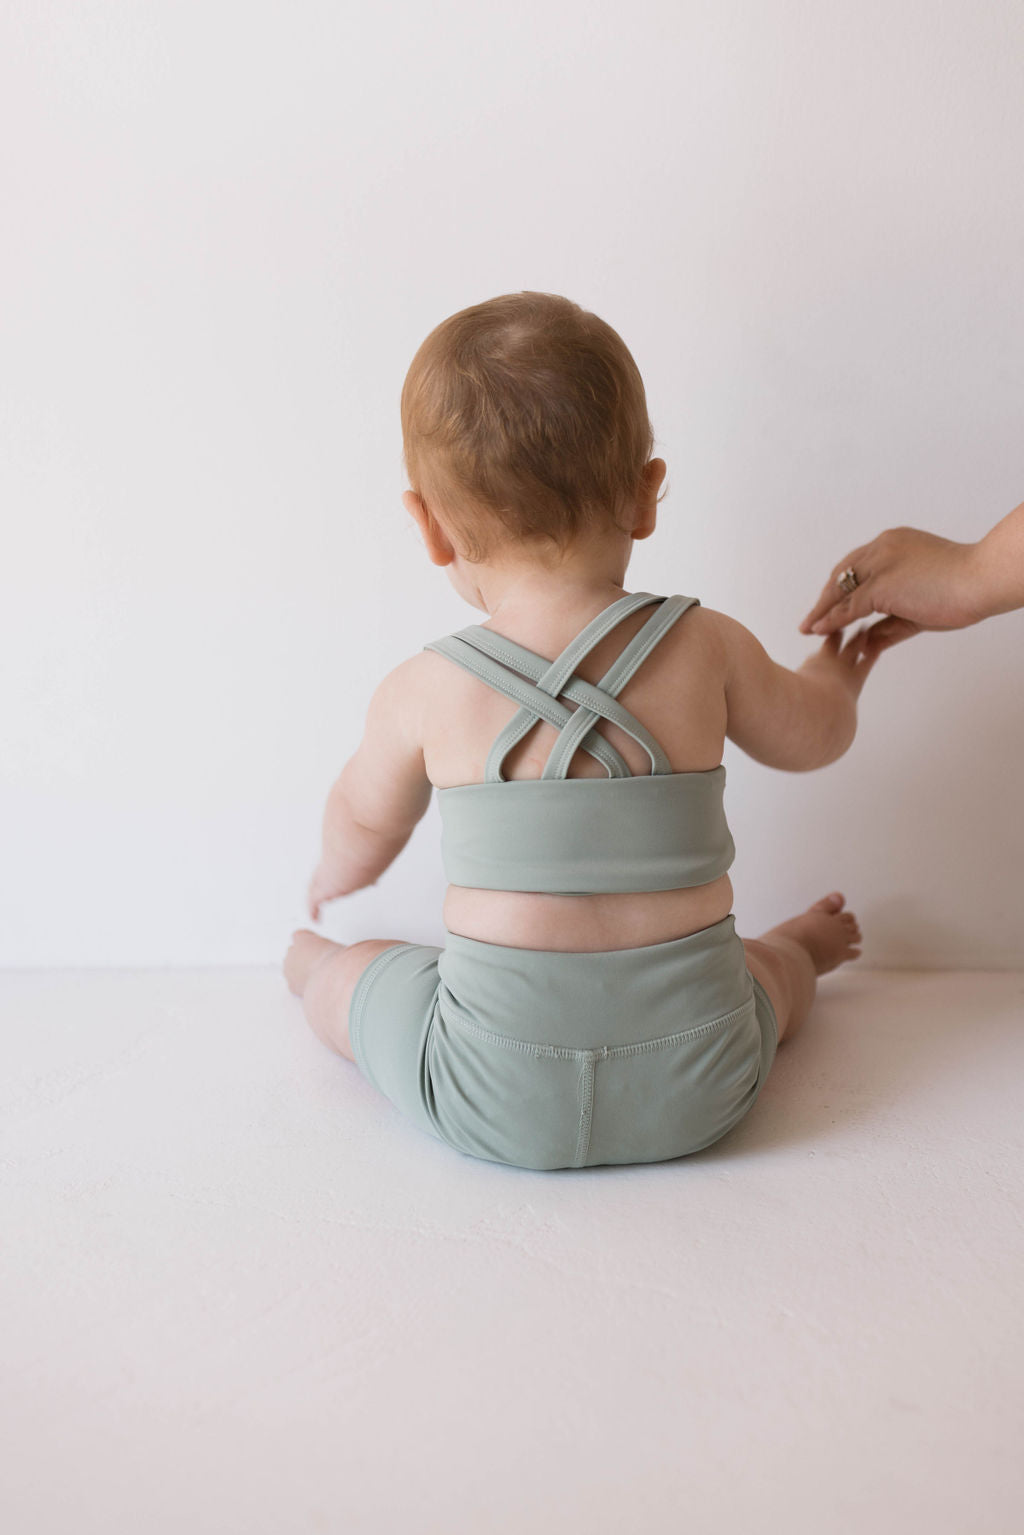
228, 227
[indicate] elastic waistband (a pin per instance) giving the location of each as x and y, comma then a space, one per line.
707, 937
606, 998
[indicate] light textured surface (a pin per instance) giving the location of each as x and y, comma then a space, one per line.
240, 1294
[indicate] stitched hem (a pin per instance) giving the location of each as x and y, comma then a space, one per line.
451, 1013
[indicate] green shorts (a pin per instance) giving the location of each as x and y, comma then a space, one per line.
548, 1059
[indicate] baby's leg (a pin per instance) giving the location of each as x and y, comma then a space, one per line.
788, 959
324, 975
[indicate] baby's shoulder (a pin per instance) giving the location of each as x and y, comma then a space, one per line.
398, 699
411, 688
705, 630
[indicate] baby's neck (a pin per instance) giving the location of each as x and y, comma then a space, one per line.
512, 591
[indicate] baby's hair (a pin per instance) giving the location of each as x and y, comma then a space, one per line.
524, 419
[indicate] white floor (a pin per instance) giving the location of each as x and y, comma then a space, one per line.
240, 1294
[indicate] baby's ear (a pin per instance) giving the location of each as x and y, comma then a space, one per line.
439, 549
655, 470
646, 513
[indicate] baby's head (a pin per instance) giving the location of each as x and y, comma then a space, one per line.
526, 434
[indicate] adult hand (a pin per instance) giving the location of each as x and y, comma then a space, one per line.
920, 581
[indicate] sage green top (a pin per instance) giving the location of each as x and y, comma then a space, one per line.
559, 835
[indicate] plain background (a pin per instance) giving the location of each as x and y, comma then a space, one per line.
227, 229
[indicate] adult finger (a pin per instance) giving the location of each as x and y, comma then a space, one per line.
846, 608
890, 631
832, 592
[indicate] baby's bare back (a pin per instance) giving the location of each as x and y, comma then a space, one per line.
678, 693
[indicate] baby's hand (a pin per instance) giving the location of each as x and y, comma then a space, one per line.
324, 886
849, 662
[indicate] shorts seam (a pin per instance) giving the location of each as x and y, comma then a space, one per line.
644, 1047
586, 1119
451, 1013
357, 1006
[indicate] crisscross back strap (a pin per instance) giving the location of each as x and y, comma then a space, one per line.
611, 684
534, 701
490, 656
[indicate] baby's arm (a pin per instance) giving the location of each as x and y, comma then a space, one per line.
792, 719
382, 792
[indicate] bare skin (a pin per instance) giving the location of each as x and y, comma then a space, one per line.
787, 960
430, 725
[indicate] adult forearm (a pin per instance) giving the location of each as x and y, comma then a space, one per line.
356, 855
998, 561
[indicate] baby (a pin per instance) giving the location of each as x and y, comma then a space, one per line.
593, 1003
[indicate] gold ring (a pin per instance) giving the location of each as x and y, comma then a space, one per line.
848, 580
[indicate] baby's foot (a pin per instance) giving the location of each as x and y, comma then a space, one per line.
828, 933
306, 952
